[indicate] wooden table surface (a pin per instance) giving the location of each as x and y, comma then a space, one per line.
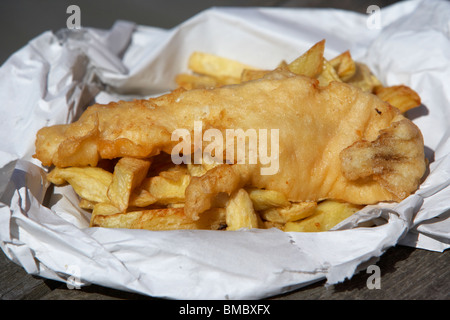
406, 273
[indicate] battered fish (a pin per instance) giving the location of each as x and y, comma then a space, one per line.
335, 142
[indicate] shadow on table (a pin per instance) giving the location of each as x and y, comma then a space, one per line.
387, 264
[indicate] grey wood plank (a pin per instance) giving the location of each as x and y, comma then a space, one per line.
92, 292
16, 284
406, 274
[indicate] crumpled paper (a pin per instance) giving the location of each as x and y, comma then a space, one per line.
55, 76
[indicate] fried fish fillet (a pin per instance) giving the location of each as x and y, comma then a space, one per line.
335, 142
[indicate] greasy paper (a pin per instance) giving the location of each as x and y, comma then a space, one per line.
64, 72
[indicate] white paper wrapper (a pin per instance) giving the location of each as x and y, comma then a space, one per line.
52, 78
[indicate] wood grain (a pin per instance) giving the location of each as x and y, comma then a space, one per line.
406, 274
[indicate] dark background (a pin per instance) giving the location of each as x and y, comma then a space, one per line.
22, 20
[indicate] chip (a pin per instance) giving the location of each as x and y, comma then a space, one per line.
216, 66
344, 65
240, 212
292, 212
156, 219
326, 215
266, 199
128, 174
402, 97
328, 74
310, 63
90, 183
363, 78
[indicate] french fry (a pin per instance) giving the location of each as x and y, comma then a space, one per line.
293, 212
327, 214
158, 219
328, 74
105, 208
155, 219
240, 213
166, 190
267, 199
401, 97
128, 174
271, 224
102, 209
196, 81
310, 63
175, 173
141, 198
197, 170
250, 74
344, 65
364, 78
175, 205
90, 183
86, 204
227, 70
214, 219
